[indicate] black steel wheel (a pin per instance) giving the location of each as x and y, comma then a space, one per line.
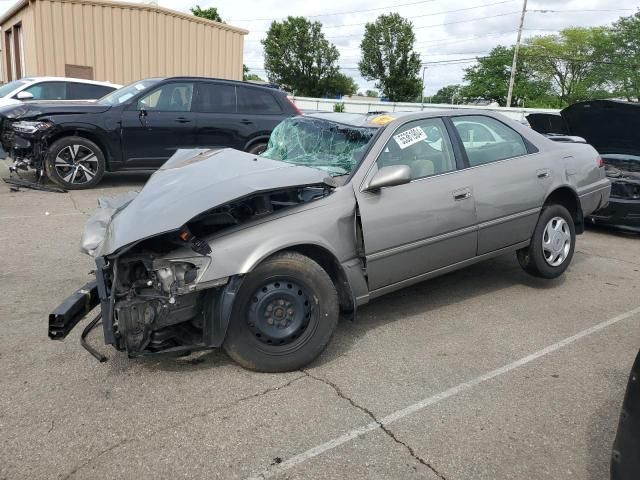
284, 315
75, 163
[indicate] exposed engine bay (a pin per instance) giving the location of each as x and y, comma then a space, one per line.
624, 174
156, 303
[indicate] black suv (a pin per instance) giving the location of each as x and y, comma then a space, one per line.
138, 127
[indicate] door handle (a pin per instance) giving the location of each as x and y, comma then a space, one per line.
543, 173
182, 120
244, 121
461, 194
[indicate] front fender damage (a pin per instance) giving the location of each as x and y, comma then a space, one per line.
154, 294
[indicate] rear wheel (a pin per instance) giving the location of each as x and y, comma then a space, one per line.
552, 244
75, 163
284, 315
257, 148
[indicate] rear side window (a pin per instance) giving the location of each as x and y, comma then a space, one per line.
85, 91
216, 98
487, 140
257, 100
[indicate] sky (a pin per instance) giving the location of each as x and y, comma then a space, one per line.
446, 30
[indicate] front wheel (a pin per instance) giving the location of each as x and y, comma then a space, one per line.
257, 148
284, 315
552, 244
75, 163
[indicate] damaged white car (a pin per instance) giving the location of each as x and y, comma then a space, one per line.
261, 254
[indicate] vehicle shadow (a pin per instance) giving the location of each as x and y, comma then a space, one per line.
124, 179
484, 278
477, 280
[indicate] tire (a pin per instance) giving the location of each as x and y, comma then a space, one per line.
552, 244
284, 315
257, 148
75, 163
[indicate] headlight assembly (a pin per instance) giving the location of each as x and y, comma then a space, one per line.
31, 127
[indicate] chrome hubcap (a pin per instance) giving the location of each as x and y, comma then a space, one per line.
556, 241
76, 164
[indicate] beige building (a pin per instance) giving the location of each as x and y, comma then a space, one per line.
116, 42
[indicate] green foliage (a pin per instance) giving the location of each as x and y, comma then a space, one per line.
623, 48
388, 57
489, 80
571, 61
208, 13
298, 57
249, 76
372, 93
447, 94
338, 85
338, 107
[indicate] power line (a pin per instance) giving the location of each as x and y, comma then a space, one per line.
333, 14
420, 16
426, 26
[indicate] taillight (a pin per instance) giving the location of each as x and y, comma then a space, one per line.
600, 162
295, 107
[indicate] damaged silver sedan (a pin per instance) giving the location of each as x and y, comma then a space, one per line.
260, 255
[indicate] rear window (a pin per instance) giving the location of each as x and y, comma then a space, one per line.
257, 100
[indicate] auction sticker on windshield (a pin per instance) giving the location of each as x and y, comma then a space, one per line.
409, 137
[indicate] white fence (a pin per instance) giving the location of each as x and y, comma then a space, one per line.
358, 106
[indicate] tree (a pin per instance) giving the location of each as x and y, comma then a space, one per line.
208, 13
624, 53
338, 85
372, 93
488, 79
249, 76
388, 57
447, 94
572, 61
298, 57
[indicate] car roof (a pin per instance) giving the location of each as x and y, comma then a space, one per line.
382, 119
69, 79
269, 86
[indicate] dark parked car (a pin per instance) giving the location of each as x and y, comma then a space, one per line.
138, 127
612, 128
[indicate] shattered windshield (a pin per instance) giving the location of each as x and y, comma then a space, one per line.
312, 142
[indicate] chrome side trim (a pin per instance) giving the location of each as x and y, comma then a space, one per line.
441, 271
508, 218
420, 243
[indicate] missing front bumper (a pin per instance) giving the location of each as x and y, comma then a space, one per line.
73, 309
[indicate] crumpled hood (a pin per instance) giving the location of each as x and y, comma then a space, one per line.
36, 109
196, 180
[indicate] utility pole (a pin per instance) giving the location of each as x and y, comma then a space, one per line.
512, 78
424, 68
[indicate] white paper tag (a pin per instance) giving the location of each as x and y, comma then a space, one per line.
410, 137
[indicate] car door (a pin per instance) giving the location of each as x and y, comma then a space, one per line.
218, 125
508, 183
155, 125
259, 112
426, 224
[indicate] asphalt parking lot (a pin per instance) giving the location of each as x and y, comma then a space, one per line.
485, 373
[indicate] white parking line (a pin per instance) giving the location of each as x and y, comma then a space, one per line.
44, 215
421, 405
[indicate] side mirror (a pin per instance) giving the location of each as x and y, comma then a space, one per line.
24, 95
389, 177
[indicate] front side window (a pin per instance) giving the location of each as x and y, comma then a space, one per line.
171, 97
121, 95
48, 91
423, 145
487, 140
